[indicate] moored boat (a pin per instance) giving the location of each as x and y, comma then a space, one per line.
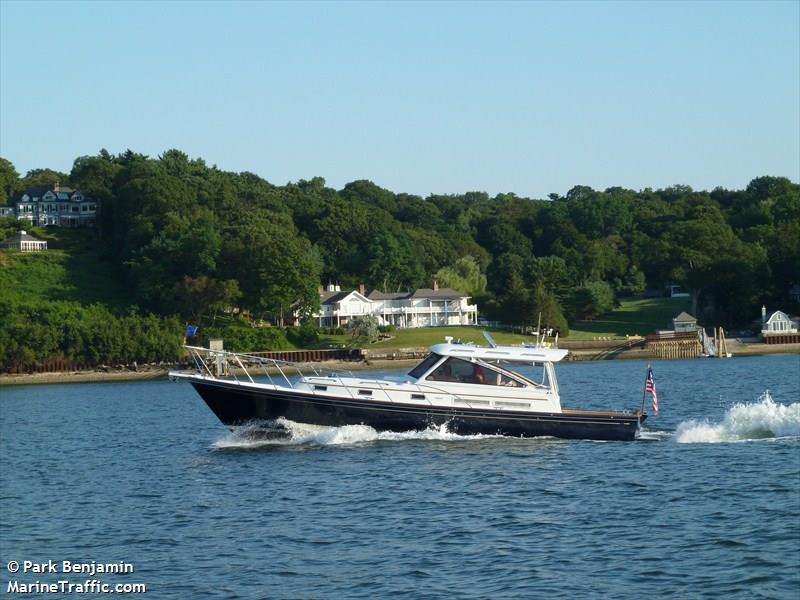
468, 389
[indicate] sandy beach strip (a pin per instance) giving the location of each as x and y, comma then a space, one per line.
150, 373
91, 376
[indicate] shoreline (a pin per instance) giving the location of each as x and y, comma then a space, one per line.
735, 348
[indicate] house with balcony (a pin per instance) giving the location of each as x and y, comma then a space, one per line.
432, 307
55, 206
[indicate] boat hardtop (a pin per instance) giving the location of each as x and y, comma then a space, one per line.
517, 354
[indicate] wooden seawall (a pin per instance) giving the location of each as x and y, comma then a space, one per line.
677, 345
305, 356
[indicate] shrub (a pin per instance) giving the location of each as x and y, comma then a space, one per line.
304, 336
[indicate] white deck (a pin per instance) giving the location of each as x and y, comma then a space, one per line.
382, 391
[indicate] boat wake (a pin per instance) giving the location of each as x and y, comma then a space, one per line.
283, 432
761, 420
764, 419
653, 435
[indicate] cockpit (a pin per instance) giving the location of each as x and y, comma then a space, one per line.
474, 371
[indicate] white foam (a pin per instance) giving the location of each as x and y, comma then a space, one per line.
650, 435
299, 434
764, 419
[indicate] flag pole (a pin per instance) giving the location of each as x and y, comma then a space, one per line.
644, 388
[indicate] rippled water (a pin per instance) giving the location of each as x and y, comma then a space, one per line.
143, 473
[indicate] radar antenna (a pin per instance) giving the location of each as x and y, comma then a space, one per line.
489, 339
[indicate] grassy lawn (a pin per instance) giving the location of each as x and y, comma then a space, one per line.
427, 336
69, 270
639, 316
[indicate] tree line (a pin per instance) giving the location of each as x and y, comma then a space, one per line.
194, 241
85, 334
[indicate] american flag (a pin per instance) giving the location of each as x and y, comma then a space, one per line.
650, 388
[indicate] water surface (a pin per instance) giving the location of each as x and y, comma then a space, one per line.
142, 472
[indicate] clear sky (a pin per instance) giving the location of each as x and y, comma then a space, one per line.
530, 98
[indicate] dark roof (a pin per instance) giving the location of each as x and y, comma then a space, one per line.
440, 294
376, 295
685, 317
33, 192
332, 297
63, 193
21, 236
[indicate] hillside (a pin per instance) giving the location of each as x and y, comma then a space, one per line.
67, 307
70, 269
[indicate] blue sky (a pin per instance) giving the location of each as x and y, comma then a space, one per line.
530, 98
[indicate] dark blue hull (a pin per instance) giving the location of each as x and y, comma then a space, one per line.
236, 405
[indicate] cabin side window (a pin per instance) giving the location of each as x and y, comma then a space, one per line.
456, 369
424, 366
463, 371
537, 375
506, 381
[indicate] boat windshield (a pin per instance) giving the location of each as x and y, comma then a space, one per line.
425, 365
463, 371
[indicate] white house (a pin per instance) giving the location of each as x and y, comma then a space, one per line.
421, 308
24, 242
338, 307
57, 206
777, 322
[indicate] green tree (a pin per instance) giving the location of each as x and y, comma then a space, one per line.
363, 330
197, 296
9, 181
465, 276
43, 178
592, 300
392, 262
278, 270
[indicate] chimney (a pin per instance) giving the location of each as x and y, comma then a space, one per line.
57, 186
435, 285
320, 290
362, 290
331, 287
337, 288
763, 316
